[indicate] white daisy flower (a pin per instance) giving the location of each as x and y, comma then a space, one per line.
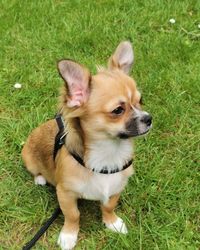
17, 85
198, 25
172, 20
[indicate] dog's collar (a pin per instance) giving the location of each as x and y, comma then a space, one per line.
60, 141
104, 170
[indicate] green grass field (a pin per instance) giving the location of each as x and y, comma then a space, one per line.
161, 204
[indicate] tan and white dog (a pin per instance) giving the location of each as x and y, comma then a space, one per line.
101, 113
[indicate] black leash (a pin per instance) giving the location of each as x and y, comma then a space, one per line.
42, 230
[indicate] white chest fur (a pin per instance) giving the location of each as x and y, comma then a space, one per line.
110, 154
102, 186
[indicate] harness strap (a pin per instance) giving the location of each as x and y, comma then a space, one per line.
78, 159
60, 137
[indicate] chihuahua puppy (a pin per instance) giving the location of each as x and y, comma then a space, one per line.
100, 114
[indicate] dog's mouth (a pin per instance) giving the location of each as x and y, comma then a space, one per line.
135, 133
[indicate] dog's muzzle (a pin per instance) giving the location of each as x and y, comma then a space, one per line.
139, 124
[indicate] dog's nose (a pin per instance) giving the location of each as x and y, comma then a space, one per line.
147, 119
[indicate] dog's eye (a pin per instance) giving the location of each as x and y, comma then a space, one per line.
118, 111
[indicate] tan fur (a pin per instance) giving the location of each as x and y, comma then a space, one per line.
38, 150
108, 213
91, 121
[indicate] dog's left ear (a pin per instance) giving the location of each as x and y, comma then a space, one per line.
122, 58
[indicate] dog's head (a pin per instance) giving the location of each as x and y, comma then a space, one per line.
109, 101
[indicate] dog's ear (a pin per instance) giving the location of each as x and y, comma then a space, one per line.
77, 80
122, 58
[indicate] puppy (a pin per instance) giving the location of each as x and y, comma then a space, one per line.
100, 114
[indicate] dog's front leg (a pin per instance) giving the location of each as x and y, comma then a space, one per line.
68, 204
111, 220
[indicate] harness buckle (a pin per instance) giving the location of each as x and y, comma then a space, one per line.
61, 140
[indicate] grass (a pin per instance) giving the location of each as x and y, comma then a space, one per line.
161, 202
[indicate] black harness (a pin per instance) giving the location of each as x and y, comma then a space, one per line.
60, 137
60, 141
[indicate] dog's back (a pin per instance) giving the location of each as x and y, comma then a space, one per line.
37, 152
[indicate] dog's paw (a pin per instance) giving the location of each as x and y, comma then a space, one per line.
40, 180
117, 226
67, 241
